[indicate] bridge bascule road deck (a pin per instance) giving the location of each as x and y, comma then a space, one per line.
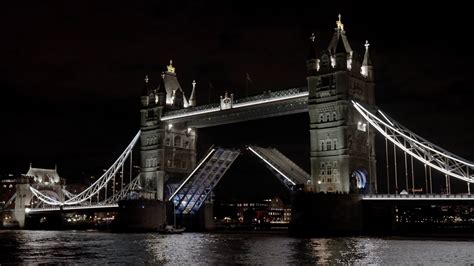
196, 188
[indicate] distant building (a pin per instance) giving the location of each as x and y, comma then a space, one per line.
44, 176
270, 211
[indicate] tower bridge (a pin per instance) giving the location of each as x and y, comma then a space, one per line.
343, 123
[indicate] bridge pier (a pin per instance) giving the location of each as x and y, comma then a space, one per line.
22, 200
140, 215
320, 214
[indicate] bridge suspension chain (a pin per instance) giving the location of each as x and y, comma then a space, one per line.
98, 185
424, 151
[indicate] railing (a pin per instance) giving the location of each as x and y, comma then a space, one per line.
265, 97
418, 197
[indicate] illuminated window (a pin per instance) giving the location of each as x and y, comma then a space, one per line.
361, 126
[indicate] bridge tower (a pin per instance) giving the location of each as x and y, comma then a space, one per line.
168, 151
342, 146
45, 180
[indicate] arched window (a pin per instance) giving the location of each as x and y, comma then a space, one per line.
167, 142
321, 145
327, 117
328, 145
334, 116
177, 141
334, 144
321, 118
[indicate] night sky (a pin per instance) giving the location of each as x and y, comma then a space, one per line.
72, 72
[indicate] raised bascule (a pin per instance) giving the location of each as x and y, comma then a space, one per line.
341, 194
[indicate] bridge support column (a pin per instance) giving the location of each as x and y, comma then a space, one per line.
321, 214
160, 185
140, 215
22, 201
207, 216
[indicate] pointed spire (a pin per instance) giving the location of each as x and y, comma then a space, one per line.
339, 42
312, 47
145, 87
161, 85
192, 98
339, 24
340, 46
170, 67
367, 61
366, 68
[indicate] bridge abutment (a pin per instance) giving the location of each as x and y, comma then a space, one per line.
140, 215
320, 214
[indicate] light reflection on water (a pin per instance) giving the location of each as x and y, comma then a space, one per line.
212, 248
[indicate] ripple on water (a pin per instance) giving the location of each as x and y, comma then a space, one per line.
201, 248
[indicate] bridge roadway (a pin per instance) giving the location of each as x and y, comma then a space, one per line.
418, 197
267, 104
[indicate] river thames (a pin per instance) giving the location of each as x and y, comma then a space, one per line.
86, 247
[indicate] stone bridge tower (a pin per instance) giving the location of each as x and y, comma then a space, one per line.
168, 151
342, 144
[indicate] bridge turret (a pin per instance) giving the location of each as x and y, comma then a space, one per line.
161, 91
312, 63
192, 98
366, 69
145, 92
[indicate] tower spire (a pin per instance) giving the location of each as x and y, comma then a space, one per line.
170, 67
366, 68
312, 62
312, 47
339, 42
145, 87
339, 24
192, 98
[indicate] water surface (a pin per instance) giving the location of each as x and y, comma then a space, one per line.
218, 248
